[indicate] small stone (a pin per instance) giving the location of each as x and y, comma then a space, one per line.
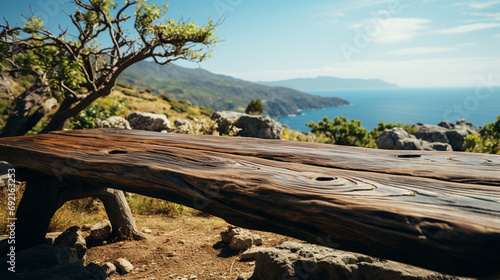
171, 254
123, 266
182, 242
147, 230
109, 267
101, 230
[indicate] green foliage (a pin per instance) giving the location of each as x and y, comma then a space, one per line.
341, 131
488, 141
90, 116
254, 107
294, 135
33, 25
146, 14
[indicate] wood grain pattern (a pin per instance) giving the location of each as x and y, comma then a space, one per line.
437, 210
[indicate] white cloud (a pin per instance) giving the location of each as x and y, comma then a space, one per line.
388, 31
468, 28
496, 36
421, 50
494, 16
478, 6
445, 72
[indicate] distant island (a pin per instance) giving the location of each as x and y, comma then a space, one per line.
324, 83
220, 92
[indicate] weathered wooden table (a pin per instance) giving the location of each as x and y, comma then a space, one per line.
437, 210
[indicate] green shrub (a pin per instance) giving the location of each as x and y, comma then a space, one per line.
488, 141
341, 131
254, 107
88, 118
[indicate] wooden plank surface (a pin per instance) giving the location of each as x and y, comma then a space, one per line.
437, 210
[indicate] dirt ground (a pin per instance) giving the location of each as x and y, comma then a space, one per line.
186, 247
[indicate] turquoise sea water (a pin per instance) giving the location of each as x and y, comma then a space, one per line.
425, 105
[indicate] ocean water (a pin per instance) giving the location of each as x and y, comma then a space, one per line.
407, 105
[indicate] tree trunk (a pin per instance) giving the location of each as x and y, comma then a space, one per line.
58, 120
16, 124
43, 110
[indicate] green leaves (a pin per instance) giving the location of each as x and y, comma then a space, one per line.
146, 14
173, 36
489, 140
254, 107
33, 25
342, 131
104, 5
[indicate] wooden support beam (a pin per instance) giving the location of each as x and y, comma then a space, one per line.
437, 210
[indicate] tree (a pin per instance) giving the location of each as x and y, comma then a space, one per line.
254, 107
72, 73
72, 69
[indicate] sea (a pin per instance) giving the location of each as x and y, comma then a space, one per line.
478, 105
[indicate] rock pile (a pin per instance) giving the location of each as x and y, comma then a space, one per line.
398, 139
445, 136
240, 239
297, 260
258, 126
447, 132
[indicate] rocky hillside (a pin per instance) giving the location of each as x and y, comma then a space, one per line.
219, 92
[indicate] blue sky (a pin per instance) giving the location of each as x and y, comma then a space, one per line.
429, 43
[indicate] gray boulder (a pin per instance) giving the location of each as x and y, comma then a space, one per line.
100, 231
115, 122
148, 121
398, 139
431, 133
447, 132
297, 260
468, 126
258, 126
72, 237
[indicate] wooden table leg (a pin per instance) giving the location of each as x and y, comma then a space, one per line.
44, 195
38, 204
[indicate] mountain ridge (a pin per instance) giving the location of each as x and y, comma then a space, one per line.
220, 92
323, 83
